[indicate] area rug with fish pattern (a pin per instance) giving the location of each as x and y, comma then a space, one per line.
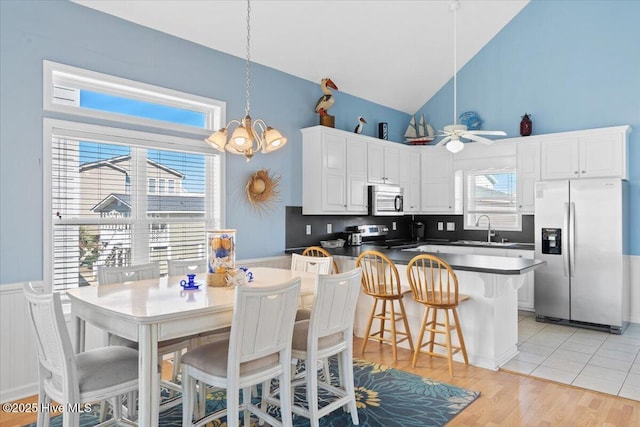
386, 397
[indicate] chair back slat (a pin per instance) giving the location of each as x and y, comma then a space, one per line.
55, 353
181, 267
379, 274
432, 281
263, 320
311, 264
317, 251
109, 275
334, 305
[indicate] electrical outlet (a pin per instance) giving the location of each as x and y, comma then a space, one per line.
329, 229
451, 226
393, 226
440, 226
308, 229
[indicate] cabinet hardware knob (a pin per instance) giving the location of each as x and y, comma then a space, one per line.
575, 172
583, 172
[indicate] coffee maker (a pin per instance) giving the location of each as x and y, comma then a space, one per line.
417, 231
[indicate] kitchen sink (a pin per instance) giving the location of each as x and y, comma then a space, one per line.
485, 243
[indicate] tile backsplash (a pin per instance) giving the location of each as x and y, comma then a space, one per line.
296, 225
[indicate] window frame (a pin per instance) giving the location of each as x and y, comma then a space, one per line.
78, 78
149, 140
466, 212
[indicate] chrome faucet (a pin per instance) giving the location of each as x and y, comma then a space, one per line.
489, 232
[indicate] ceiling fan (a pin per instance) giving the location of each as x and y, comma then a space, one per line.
453, 133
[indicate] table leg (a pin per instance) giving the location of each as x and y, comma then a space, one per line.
80, 335
148, 378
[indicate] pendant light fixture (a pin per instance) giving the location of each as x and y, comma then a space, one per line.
249, 136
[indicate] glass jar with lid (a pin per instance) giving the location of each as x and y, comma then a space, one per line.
221, 256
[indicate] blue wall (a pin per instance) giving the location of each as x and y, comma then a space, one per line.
71, 34
571, 64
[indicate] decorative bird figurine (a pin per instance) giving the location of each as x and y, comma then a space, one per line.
326, 101
360, 125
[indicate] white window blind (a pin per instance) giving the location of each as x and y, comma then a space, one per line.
493, 193
104, 215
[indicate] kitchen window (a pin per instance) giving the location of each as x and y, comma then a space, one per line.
491, 192
118, 196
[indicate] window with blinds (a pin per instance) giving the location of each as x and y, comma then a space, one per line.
120, 197
493, 193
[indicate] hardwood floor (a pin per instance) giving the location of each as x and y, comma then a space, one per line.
506, 399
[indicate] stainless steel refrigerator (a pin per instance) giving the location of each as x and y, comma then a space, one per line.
581, 231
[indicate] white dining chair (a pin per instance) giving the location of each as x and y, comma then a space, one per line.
182, 267
258, 350
311, 264
69, 378
175, 346
327, 333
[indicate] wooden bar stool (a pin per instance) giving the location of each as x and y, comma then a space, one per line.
321, 252
380, 280
435, 285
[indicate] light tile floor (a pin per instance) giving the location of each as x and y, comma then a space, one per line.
581, 357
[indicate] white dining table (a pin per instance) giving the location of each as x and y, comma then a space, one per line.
149, 311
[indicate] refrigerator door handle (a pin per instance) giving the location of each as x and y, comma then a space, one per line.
565, 240
572, 243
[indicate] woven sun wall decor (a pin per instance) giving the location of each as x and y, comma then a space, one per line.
262, 191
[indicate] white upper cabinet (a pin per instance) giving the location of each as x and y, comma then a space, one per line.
528, 172
437, 192
593, 153
334, 175
410, 179
383, 160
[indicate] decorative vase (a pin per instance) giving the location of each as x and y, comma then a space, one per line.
221, 256
526, 126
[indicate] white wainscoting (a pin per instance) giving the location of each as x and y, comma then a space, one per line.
18, 359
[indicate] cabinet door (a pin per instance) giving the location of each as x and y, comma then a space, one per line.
528, 172
356, 176
334, 185
601, 155
375, 163
383, 163
392, 164
560, 158
526, 292
410, 179
437, 186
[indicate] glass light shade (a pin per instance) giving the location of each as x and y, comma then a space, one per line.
241, 139
272, 140
455, 145
218, 139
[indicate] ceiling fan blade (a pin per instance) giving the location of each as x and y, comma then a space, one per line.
488, 132
443, 141
478, 138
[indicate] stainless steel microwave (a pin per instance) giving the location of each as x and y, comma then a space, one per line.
386, 200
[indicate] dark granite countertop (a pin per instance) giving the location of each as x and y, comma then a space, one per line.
478, 263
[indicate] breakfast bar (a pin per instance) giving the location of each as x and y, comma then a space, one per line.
489, 318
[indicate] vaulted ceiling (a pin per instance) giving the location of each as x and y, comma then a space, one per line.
395, 53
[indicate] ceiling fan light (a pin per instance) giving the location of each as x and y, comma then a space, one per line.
218, 139
273, 140
455, 145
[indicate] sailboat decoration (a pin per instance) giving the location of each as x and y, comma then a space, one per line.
423, 134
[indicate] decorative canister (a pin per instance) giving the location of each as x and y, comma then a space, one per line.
221, 256
526, 126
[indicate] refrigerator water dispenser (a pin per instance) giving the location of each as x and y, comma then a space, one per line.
552, 241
